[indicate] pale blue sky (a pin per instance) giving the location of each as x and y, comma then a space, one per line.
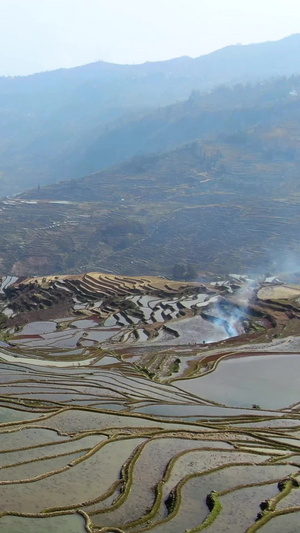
38, 35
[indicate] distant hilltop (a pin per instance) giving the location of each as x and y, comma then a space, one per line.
52, 118
271, 54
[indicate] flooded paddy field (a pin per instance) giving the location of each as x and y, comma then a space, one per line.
148, 428
150, 459
271, 381
73, 523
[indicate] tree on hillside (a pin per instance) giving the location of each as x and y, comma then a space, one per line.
185, 272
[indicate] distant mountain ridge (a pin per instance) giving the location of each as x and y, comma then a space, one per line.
283, 52
48, 120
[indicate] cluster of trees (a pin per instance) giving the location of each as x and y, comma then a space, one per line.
187, 272
249, 94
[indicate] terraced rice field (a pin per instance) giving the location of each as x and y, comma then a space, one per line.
81, 313
128, 434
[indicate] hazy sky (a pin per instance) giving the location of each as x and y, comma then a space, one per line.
37, 35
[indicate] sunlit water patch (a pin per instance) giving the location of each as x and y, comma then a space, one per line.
197, 330
57, 524
269, 381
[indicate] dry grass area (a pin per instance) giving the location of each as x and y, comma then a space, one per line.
105, 284
279, 292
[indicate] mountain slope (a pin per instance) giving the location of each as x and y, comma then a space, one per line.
47, 119
225, 111
222, 206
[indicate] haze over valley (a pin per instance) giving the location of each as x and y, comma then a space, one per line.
211, 180
150, 279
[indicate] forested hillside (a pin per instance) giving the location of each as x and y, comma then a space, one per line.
220, 205
227, 113
67, 123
